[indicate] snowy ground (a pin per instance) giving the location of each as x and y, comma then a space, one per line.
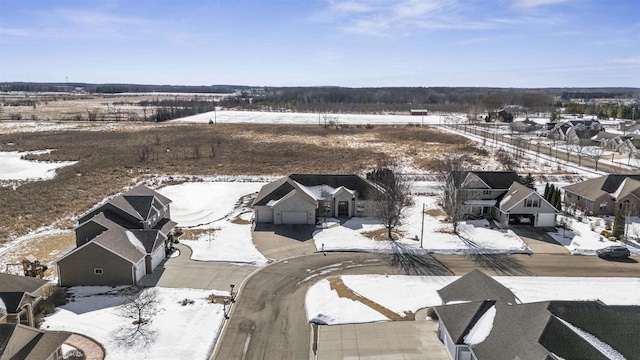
475, 236
583, 238
229, 242
197, 203
15, 168
259, 117
177, 331
401, 293
216, 204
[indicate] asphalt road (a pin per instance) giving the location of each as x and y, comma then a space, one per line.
269, 321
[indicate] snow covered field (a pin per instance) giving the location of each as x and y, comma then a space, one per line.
259, 117
177, 331
401, 293
15, 168
475, 236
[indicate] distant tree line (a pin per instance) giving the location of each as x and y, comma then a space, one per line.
400, 99
604, 110
117, 88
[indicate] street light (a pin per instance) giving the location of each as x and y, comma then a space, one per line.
233, 300
224, 308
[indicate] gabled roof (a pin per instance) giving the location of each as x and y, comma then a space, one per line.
594, 188
150, 239
516, 194
476, 286
136, 202
116, 241
142, 204
278, 189
460, 318
12, 300
9, 282
493, 179
165, 226
41, 346
141, 190
273, 191
610, 324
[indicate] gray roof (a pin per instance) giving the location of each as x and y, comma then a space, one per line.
11, 300
460, 318
141, 190
142, 204
9, 282
594, 188
515, 333
516, 193
116, 241
494, 179
151, 239
476, 286
610, 324
277, 189
42, 345
165, 226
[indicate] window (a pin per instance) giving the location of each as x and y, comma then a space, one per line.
98, 271
532, 203
359, 208
486, 192
603, 206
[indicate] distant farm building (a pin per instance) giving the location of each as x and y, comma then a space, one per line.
419, 112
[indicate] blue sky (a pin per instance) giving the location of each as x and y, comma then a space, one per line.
503, 43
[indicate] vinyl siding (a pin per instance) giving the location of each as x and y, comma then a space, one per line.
77, 268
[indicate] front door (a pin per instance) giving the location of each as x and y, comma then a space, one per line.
343, 208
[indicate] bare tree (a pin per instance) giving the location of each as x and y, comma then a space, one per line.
453, 194
144, 152
578, 147
392, 205
139, 304
595, 153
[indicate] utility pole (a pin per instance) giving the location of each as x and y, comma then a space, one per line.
422, 229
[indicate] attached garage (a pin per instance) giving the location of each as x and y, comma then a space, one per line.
264, 214
294, 217
545, 220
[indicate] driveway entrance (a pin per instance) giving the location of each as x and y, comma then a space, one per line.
538, 240
384, 340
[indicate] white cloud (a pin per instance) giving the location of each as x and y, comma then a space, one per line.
473, 41
350, 7
528, 4
632, 60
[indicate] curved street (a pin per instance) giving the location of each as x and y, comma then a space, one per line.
269, 321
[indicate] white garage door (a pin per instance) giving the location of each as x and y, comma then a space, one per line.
157, 257
264, 215
545, 220
294, 217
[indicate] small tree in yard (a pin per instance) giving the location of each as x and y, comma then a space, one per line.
618, 224
454, 197
138, 304
392, 205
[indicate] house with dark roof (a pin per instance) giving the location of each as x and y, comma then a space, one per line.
575, 130
302, 198
119, 241
489, 326
605, 195
19, 342
499, 196
19, 295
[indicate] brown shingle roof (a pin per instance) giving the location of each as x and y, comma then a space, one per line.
9, 282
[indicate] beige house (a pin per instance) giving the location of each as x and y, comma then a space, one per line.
120, 241
19, 296
497, 195
605, 195
302, 198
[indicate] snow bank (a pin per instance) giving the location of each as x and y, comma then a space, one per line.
15, 168
95, 312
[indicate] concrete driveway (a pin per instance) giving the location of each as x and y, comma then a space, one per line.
181, 272
384, 340
538, 240
283, 241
